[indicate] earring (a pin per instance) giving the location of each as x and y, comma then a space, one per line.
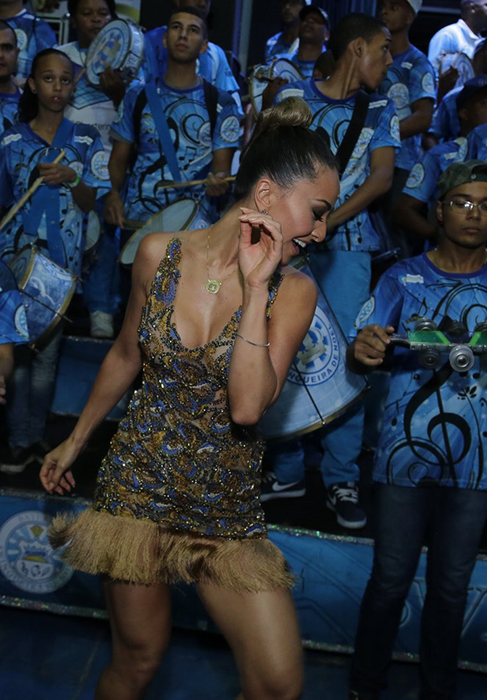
265, 212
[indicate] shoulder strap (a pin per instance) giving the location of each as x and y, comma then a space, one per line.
211, 102
140, 103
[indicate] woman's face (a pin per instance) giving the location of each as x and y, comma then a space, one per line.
53, 82
302, 211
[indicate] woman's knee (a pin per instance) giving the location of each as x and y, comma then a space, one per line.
275, 684
136, 661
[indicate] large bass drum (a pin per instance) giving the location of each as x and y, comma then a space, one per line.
319, 387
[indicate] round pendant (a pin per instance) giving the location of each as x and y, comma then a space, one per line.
213, 286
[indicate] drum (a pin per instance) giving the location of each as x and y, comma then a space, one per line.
319, 387
183, 215
461, 62
120, 44
93, 233
262, 75
46, 290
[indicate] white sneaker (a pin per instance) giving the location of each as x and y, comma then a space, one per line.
101, 324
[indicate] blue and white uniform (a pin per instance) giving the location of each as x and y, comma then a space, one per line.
410, 78
33, 35
213, 65
51, 211
9, 109
477, 143
13, 320
446, 122
381, 129
275, 46
189, 124
435, 420
422, 180
306, 67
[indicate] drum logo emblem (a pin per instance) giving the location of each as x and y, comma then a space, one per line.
26, 557
318, 358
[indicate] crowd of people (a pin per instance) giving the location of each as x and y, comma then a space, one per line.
379, 147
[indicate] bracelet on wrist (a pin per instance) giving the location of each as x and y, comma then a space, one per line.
76, 182
250, 342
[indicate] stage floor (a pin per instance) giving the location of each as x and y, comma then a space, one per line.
47, 657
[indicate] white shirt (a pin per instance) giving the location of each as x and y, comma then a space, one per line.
455, 38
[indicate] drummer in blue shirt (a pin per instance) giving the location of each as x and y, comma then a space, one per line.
13, 325
212, 64
314, 32
33, 35
9, 91
287, 40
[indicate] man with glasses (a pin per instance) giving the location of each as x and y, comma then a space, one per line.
430, 474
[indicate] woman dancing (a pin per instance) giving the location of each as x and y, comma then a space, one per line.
215, 320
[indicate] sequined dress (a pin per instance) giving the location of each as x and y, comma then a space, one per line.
178, 494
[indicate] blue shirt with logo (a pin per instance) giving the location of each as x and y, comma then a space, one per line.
422, 180
21, 150
381, 130
435, 421
410, 78
33, 35
477, 142
9, 109
446, 122
13, 320
189, 124
276, 45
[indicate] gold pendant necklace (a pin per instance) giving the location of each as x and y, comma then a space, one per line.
213, 286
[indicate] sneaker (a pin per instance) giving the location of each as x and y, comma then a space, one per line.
15, 459
272, 488
101, 325
342, 499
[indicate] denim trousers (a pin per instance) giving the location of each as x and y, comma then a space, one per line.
30, 391
344, 278
451, 522
101, 282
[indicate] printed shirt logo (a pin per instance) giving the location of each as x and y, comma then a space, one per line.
26, 557
416, 177
412, 279
318, 357
365, 312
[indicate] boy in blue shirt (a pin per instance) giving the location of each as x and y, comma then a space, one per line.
287, 40
430, 476
342, 265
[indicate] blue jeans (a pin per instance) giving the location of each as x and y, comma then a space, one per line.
30, 391
344, 278
100, 286
404, 516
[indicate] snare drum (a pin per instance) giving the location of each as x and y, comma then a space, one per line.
93, 233
183, 215
120, 44
263, 74
319, 387
46, 290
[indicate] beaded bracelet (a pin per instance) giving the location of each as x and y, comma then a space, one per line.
257, 345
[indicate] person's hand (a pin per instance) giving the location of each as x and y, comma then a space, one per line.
447, 82
258, 261
216, 185
55, 474
269, 94
57, 174
3, 390
112, 85
113, 209
371, 344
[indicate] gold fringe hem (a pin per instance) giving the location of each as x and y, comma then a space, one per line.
143, 552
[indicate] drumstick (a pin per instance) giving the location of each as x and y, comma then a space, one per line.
37, 183
192, 183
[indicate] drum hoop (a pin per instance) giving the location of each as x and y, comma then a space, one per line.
251, 90
89, 57
184, 228
320, 423
287, 61
30, 266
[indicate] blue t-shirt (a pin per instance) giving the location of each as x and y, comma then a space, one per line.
410, 78
435, 421
33, 35
381, 129
446, 122
477, 143
21, 149
189, 124
213, 65
13, 320
275, 46
422, 180
306, 67
9, 109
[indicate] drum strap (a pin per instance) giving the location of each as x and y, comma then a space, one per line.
162, 127
49, 204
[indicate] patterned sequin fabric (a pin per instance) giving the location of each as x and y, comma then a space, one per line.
177, 458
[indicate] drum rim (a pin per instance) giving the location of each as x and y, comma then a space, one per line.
32, 249
95, 82
287, 60
318, 424
57, 316
98, 218
185, 227
251, 90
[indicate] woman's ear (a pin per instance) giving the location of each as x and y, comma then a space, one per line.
264, 193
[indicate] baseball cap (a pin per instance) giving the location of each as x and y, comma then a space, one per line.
415, 5
471, 88
460, 174
314, 8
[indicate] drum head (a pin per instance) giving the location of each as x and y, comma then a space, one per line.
93, 231
258, 81
285, 69
109, 48
175, 217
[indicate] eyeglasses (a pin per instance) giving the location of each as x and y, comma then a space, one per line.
464, 206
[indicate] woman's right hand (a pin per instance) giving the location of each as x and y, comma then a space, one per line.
55, 474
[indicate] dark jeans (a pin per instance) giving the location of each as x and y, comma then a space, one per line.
453, 520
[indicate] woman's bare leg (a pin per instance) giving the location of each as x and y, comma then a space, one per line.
262, 630
140, 621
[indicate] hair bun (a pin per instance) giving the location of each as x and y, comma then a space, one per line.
293, 111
